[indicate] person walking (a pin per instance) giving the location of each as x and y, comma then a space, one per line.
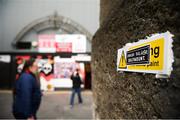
76, 88
27, 93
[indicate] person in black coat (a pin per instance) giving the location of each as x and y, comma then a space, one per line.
27, 93
76, 87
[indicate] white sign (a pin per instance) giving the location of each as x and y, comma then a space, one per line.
75, 43
5, 58
82, 58
151, 55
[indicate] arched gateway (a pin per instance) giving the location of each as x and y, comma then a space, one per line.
54, 22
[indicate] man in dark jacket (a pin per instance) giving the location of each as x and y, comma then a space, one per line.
27, 94
76, 88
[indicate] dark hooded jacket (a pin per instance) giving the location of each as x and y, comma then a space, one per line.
76, 80
27, 95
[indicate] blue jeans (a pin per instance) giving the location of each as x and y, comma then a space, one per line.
78, 91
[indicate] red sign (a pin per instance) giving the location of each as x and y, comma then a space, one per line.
46, 43
63, 47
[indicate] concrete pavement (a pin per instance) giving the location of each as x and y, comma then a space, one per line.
54, 105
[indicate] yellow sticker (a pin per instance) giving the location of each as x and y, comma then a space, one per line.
122, 62
156, 56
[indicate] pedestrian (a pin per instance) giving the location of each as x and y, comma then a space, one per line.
76, 87
27, 93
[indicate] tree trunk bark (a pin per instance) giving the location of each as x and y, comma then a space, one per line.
134, 95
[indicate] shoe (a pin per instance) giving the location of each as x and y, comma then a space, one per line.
71, 106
